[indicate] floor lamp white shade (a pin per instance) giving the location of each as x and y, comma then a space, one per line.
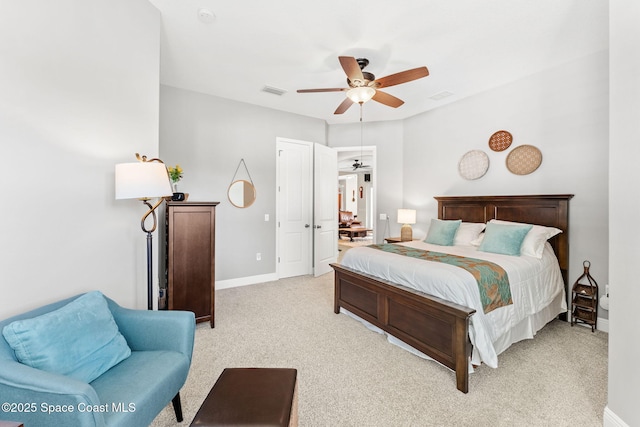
406, 217
142, 180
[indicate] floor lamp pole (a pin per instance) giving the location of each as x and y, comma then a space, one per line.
152, 212
149, 271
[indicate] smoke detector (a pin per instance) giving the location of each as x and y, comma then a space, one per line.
206, 16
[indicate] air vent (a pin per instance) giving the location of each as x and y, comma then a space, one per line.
440, 95
274, 90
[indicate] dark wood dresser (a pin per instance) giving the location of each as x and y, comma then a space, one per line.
190, 258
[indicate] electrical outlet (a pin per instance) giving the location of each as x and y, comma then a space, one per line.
258, 256
383, 217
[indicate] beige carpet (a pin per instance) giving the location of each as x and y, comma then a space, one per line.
350, 376
357, 241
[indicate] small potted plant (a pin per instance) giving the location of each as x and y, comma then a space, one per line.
175, 175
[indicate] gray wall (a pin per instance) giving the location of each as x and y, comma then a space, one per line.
624, 205
79, 94
208, 136
562, 111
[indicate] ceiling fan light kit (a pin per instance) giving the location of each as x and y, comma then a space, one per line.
363, 86
361, 94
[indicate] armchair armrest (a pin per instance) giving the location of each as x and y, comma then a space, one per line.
155, 330
37, 397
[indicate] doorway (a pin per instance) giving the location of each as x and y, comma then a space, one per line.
357, 185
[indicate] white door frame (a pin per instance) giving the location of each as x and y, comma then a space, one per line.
374, 167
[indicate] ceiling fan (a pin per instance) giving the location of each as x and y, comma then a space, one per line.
364, 86
358, 165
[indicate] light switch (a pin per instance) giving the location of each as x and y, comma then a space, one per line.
266, 217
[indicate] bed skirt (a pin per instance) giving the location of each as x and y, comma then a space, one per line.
525, 329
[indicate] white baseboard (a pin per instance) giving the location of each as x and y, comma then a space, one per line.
612, 420
244, 281
603, 324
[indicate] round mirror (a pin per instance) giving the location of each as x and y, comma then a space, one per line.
241, 194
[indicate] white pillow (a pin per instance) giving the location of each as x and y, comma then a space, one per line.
468, 232
533, 244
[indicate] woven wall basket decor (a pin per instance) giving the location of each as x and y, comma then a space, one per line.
473, 164
524, 159
500, 140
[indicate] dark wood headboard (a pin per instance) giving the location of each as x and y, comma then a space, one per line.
549, 210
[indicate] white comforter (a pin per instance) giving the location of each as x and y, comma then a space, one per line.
535, 283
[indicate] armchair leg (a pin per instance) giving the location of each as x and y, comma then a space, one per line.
177, 407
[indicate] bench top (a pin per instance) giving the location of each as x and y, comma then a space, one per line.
249, 396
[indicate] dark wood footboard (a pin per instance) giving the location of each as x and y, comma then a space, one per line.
437, 328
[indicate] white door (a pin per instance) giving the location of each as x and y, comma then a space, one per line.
295, 187
325, 208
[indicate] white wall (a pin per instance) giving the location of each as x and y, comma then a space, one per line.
562, 111
79, 85
208, 136
624, 149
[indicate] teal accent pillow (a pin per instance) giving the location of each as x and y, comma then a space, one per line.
503, 238
442, 232
80, 340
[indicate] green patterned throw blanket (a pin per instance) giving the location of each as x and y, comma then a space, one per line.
493, 281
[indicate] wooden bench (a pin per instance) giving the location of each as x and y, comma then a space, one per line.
251, 396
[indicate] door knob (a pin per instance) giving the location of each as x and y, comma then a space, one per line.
307, 226
317, 226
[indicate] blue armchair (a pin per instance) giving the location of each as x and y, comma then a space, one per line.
131, 393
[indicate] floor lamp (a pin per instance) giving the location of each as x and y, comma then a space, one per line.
144, 180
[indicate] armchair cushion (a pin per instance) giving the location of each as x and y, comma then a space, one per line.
79, 340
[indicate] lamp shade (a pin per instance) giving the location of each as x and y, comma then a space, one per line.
406, 216
361, 94
142, 180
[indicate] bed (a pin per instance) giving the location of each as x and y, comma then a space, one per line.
440, 328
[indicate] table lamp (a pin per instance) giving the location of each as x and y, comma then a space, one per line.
406, 217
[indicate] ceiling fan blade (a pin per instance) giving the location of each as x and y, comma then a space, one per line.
332, 89
344, 106
351, 68
401, 77
386, 99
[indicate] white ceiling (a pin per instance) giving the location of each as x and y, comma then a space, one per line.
468, 46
